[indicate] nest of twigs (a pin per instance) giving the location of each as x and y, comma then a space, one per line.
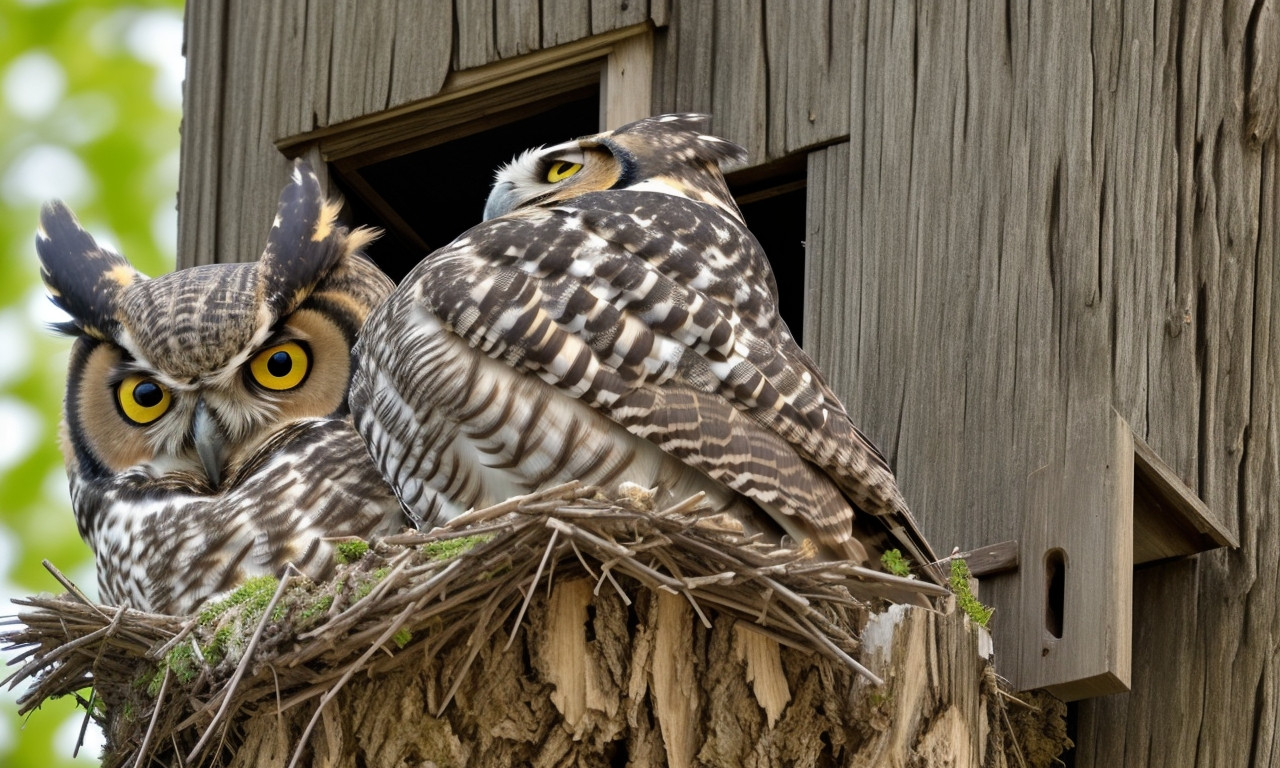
181, 682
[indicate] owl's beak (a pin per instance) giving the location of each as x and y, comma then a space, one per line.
501, 200
211, 443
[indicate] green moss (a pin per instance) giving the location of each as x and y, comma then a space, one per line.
319, 607
964, 596
895, 563
218, 647
181, 663
256, 593
402, 638
348, 552
451, 548
363, 585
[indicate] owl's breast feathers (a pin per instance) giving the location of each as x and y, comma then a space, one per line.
660, 313
168, 543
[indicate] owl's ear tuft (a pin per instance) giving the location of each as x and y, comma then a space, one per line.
305, 243
672, 133
83, 278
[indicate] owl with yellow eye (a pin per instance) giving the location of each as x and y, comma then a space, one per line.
206, 424
614, 321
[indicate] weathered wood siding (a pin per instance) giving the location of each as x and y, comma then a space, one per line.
1021, 216
1050, 208
259, 72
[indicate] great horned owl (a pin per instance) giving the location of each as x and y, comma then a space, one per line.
613, 319
206, 426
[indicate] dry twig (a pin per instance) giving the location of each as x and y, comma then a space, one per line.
417, 593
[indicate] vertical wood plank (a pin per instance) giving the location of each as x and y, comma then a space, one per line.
660, 12
628, 82
739, 100
198, 175
564, 21
664, 71
810, 53
424, 42
475, 44
832, 271
690, 55
362, 29
248, 161
608, 15
517, 27
318, 52
291, 76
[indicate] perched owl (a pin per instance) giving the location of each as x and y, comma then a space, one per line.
206, 427
614, 320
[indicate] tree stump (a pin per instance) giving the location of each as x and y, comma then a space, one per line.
570, 632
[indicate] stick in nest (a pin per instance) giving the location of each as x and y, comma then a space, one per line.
466, 579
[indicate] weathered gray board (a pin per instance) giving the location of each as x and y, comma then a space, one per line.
999, 156
1053, 208
976, 397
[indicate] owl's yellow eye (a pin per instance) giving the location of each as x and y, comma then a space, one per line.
142, 399
281, 367
561, 170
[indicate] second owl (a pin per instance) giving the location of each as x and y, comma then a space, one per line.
614, 319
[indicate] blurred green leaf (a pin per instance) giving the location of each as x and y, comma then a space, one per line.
88, 112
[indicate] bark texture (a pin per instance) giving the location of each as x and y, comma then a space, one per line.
590, 681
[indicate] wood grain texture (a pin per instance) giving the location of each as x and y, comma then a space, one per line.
626, 91
810, 54
591, 681
608, 15
475, 44
1041, 212
564, 21
740, 85
1055, 209
518, 27
774, 75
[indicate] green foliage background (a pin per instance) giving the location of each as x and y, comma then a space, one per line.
84, 80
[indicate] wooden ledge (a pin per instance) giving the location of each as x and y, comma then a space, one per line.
1169, 519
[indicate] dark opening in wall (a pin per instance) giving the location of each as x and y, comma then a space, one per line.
425, 198
773, 201
432, 188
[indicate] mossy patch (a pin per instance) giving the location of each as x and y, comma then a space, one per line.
895, 563
349, 551
254, 594
448, 549
959, 583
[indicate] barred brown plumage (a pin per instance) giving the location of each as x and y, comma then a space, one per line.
614, 320
207, 432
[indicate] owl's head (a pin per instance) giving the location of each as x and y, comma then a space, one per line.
668, 153
188, 373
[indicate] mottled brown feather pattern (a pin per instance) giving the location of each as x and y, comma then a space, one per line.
168, 533
647, 306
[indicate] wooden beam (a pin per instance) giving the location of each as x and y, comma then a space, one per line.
628, 82
990, 560
363, 134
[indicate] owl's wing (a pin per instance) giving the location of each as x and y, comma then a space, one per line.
660, 312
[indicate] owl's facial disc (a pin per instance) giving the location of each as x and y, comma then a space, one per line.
132, 414
543, 176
